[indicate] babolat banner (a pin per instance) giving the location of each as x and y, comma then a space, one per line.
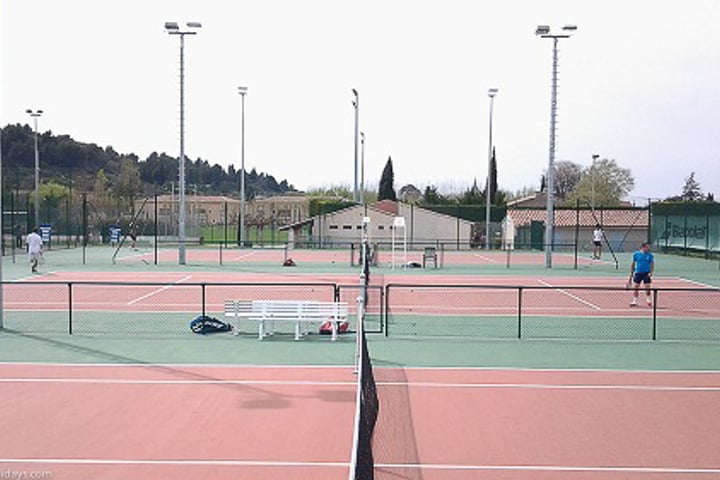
687, 226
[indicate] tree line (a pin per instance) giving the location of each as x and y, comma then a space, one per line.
114, 178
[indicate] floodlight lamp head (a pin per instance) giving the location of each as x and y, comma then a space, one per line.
28, 111
570, 28
172, 26
355, 92
194, 24
242, 90
492, 92
595, 156
542, 30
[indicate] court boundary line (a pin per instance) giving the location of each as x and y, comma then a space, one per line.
570, 295
552, 468
319, 383
158, 290
376, 367
344, 464
696, 283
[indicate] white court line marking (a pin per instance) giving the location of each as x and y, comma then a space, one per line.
483, 257
245, 255
33, 277
343, 464
546, 386
120, 381
159, 290
574, 297
315, 383
215, 463
552, 468
310, 367
697, 284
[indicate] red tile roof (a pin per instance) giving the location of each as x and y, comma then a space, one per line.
567, 218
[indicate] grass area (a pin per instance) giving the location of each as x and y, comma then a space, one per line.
216, 234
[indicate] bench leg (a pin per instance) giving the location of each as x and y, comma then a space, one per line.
261, 330
297, 330
334, 329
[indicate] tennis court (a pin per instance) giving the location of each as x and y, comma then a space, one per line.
102, 378
193, 421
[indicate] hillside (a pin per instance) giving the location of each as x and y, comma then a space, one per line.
65, 160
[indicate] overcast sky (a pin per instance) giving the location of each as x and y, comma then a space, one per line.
640, 82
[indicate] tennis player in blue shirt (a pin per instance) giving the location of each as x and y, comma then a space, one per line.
641, 271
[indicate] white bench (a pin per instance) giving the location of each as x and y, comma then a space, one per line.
300, 312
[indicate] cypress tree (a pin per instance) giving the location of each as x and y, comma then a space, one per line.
387, 182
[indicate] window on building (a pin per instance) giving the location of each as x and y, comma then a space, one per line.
333, 227
347, 227
381, 227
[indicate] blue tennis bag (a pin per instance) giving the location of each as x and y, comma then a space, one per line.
205, 325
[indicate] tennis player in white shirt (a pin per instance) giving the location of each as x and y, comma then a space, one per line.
35, 249
597, 242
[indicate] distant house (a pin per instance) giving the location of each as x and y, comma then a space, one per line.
423, 226
409, 194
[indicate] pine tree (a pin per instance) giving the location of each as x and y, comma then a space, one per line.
691, 190
386, 190
493, 179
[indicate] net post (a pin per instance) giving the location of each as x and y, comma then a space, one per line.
654, 327
519, 324
70, 308
203, 289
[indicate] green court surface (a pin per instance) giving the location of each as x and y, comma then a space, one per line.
568, 340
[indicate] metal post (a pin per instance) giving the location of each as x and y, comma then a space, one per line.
225, 233
550, 188
543, 31
70, 308
37, 175
491, 93
356, 104
577, 231
84, 228
174, 29
155, 248
242, 232
181, 179
362, 168
519, 324
592, 182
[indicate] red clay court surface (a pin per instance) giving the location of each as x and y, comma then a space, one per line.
178, 292
223, 422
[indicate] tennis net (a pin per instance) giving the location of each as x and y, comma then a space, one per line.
362, 465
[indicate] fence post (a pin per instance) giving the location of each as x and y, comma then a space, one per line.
202, 286
155, 248
84, 228
707, 236
655, 300
387, 310
520, 296
685, 239
70, 308
221, 254
577, 230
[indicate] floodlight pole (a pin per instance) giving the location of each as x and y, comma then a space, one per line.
173, 29
491, 93
362, 168
35, 114
356, 104
544, 32
241, 237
